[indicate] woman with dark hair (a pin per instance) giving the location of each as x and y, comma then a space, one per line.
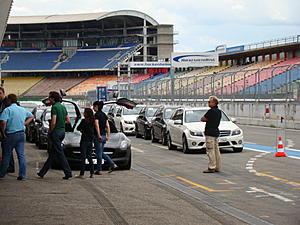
86, 127
102, 128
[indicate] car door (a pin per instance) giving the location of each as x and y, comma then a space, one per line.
177, 128
159, 124
117, 118
171, 125
139, 121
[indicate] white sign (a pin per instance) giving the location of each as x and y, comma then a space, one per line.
150, 64
194, 59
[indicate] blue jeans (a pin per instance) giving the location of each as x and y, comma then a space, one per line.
99, 145
14, 141
86, 153
56, 151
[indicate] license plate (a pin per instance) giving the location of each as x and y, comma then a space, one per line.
94, 161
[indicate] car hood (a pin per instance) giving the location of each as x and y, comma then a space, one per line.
200, 126
130, 117
72, 140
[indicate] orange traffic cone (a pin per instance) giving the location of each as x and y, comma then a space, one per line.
280, 149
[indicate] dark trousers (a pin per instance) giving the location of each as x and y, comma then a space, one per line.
86, 153
56, 152
11, 166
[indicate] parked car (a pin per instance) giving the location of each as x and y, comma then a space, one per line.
125, 119
143, 122
31, 129
185, 130
42, 129
159, 124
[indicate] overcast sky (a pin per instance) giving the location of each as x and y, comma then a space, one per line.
201, 24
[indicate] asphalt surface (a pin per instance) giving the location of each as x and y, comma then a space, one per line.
164, 187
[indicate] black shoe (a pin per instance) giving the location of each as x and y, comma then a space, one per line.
112, 168
20, 178
40, 175
98, 173
67, 177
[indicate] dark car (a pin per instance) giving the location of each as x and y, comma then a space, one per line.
143, 122
42, 129
33, 126
159, 124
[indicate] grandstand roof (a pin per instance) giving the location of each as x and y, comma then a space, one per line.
78, 17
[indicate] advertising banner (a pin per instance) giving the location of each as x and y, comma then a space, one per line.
194, 59
149, 64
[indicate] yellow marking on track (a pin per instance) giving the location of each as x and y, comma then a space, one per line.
200, 186
297, 188
278, 178
137, 149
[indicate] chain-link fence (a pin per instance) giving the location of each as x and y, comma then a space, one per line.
273, 83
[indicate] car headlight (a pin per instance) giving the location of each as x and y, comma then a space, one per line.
127, 122
148, 123
196, 133
124, 145
236, 132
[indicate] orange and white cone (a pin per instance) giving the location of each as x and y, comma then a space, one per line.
280, 149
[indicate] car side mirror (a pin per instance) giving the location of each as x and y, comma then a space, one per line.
178, 122
233, 120
38, 120
118, 115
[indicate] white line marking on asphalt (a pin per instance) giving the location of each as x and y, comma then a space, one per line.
290, 143
279, 197
251, 143
137, 149
253, 159
227, 182
160, 146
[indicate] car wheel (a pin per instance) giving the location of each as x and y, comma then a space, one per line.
153, 139
164, 138
128, 166
185, 147
170, 145
137, 135
237, 149
146, 135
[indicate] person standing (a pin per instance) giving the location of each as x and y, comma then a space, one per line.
56, 134
14, 119
212, 119
3, 105
87, 129
101, 127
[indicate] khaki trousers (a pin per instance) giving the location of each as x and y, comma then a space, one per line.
213, 153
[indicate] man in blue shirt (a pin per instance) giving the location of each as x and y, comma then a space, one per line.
14, 119
3, 105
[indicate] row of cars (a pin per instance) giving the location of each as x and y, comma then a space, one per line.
118, 147
177, 127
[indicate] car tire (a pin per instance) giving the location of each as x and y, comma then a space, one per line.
137, 135
146, 135
128, 166
237, 149
170, 145
153, 139
185, 147
164, 138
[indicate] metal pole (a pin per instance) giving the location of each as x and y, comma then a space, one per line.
129, 82
172, 71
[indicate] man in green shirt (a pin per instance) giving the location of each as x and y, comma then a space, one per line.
56, 133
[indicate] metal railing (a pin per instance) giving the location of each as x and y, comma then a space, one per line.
281, 83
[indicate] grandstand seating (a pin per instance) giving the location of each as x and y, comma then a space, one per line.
18, 85
91, 84
53, 84
30, 60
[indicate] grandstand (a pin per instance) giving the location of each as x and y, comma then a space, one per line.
79, 47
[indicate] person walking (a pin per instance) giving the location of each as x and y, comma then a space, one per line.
212, 119
56, 134
14, 119
3, 105
87, 129
101, 127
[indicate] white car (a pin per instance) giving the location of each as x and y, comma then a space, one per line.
185, 130
125, 119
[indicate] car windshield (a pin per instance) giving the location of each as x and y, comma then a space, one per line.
150, 111
48, 116
195, 116
169, 112
134, 111
106, 108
